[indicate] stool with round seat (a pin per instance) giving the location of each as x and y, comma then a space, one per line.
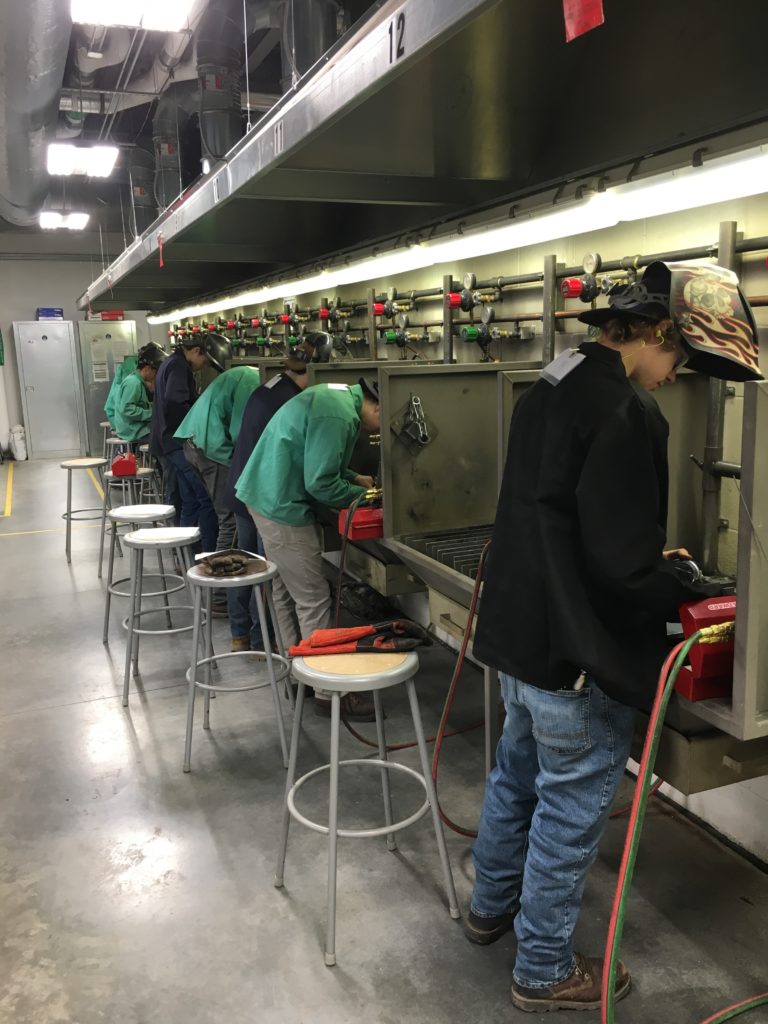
179, 540
106, 426
133, 489
341, 674
115, 446
135, 516
259, 576
78, 514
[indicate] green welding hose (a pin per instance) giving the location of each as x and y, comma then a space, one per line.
667, 681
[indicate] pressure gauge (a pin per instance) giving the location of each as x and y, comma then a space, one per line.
402, 321
469, 281
592, 263
488, 314
392, 294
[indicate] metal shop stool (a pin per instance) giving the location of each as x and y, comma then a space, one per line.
116, 445
136, 516
145, 457
106, 426
78, 514
202, 586
177, 539
354, 673
133, 490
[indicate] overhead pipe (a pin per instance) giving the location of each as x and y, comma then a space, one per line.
309, 30
86, 64
35, 41
140, 168
174, 108
219, 62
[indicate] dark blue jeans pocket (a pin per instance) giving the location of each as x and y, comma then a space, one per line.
560, 719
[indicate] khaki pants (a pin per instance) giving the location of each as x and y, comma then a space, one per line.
301, 592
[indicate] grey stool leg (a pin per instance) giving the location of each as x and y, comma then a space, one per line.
271, 673
68, 543
131, 614
104, 502
385, 788
291, 778
164, 586
333, 822
432, 797
208, 653
139, 590
110, 576
198, 599
278, 638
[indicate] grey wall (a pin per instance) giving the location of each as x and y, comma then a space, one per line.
27, 284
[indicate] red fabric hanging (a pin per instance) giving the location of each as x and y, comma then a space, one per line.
581, 16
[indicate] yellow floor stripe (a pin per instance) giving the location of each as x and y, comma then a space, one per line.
95, 482
8, 491
56, 529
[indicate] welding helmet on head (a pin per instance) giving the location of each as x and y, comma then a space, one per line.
217, 348
706, 306
321, 345
300, 356
150, 355
370, 386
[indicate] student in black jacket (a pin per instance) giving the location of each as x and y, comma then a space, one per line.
577, 593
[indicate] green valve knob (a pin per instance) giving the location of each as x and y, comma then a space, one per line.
470, 334
390, 337
260, 340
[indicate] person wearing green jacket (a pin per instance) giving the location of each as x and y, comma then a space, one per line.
133, 403
122, 370
300, 463
209, 432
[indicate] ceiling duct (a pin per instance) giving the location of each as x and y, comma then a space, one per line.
140, 168
219, 64
90, 57
174, 108
310, 30
34, 41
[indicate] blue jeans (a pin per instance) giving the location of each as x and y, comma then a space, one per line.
559, 762
243, 617
196, 506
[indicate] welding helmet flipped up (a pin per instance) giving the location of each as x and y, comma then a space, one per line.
707, 307
150, 354
216, 347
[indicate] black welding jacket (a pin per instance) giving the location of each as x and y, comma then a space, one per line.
575, 579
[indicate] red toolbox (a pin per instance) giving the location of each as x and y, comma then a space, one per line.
367, 523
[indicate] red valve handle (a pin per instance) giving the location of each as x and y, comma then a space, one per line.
255, 322
378, 309
454, 300
325, 314
195, 329
285, 318
230, 324
571, 287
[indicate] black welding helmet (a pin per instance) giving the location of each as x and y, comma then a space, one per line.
217, 348
715, 320
706, 306
300, 356
370, 386
321, 345
150, 355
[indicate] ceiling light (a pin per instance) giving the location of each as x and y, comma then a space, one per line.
163, 16
92, 161
52, 219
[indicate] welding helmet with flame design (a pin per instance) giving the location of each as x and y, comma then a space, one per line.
708, 308
715, 321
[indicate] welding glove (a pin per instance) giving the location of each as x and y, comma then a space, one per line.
397, 635
225, 564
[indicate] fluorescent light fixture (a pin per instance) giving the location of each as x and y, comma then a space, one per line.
92, 161
719, 180
52, 219
154, 15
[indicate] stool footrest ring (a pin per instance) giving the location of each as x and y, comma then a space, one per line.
359, 833
282, 671
75, 515
160, 611
151, 593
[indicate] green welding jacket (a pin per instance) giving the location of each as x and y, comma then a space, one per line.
133, 408
301, 461
122, 370
213, 422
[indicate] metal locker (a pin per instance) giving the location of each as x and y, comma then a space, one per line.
103, 346
51, 394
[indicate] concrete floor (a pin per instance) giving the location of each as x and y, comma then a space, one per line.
131, 893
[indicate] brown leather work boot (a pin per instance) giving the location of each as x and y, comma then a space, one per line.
580, 991
240, 643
